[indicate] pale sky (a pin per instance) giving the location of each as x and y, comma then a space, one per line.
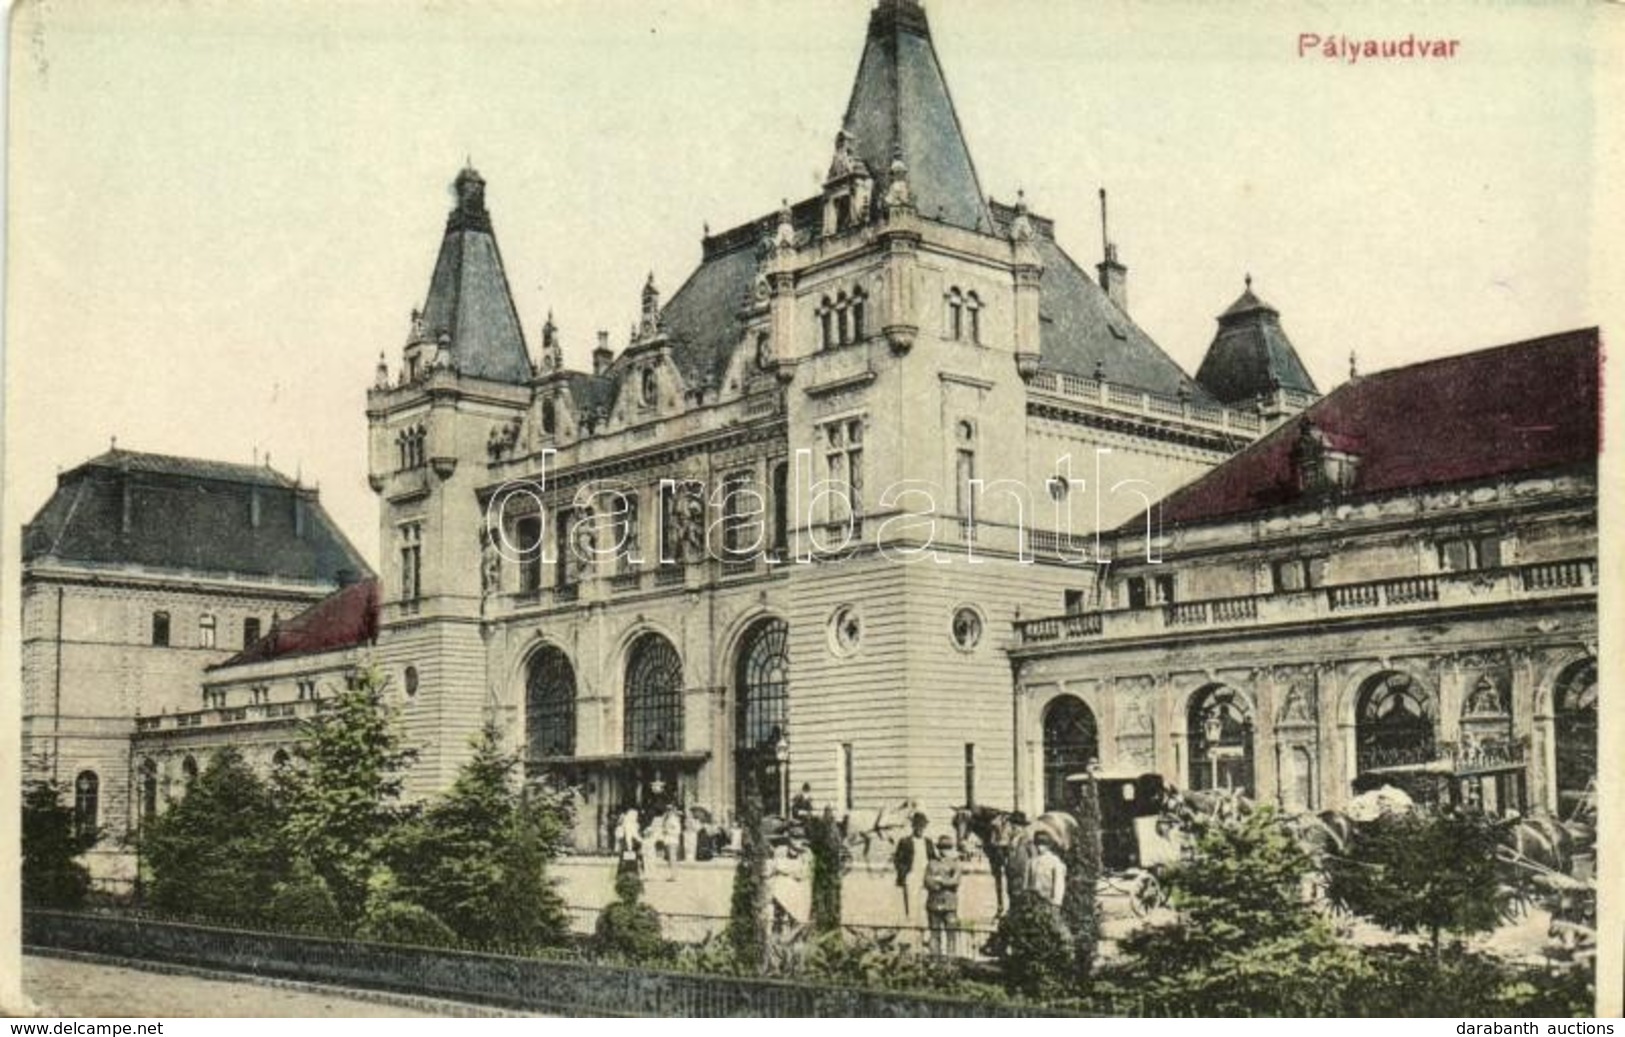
220, 214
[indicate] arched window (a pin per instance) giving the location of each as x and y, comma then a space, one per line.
843, 319
1393, 723
550, 417
1574, 729
189, 769
149, 789
654, 696
973, 317
761, 711
1219, 730
956, 314
86, 805
648, 387
205, 631
858, 306
550, 705
965, 471
1071, 744
280, 758
826, 324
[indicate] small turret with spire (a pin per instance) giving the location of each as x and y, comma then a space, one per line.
552, 351
650, 323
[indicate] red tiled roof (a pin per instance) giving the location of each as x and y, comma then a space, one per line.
343, 619
1516, 408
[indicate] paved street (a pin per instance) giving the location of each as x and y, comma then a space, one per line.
77, 989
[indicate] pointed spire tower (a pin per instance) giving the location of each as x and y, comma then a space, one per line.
900, 106
469, 312
1251, 357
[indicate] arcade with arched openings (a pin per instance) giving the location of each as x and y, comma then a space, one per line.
1219, 732
1574, 734
1071, 745
1394, 729
761, 713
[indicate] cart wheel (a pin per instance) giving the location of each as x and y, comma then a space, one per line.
1146, 895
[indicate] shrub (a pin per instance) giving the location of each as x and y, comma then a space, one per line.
1035, 949
51, 842
747, 922
303, 903
1079, 909
217, 853
406, 923
824, 837
1393, 873
628, 928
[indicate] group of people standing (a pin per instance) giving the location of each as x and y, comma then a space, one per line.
1024, 858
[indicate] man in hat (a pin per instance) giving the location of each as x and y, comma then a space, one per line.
914, 854
1046, 875
1017, 857
942, 897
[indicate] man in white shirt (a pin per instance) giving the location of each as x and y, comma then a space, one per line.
1046, 874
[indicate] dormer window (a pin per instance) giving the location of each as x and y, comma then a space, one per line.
648, 387
550, 417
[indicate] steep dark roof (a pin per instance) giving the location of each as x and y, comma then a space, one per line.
1082, 329
1250, 354
190, 514
1517, 408
468, 296
900, 102
702, 317
346, 618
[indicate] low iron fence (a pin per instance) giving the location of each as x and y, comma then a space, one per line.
559, 986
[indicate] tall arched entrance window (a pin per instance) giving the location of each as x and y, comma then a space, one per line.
550, 706
761, 712
1219, 731
1393, 723
1574, 730
654, 696
1071, 744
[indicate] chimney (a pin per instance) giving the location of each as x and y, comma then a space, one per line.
1113, 275
603, 356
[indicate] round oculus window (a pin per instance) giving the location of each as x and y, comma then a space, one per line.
845, 630
411, 680
966, 628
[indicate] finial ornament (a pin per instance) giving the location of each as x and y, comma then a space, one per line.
784, 237
898, 193
651, 306
1021, 228
1354, 366
1248, 280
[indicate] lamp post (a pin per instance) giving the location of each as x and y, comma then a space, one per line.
1213, 731
781, 753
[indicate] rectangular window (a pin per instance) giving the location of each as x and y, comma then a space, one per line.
1489, 552
964, 476
160, 629
411, 561
528, 542
1455, 555
562, 521
205, 632
1075, 602
740, 533
251, 630
1144, 591
970, 775
847, 796
1289, 576
781, 508
624, 535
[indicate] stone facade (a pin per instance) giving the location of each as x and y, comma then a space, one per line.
131, 590
1440, 634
